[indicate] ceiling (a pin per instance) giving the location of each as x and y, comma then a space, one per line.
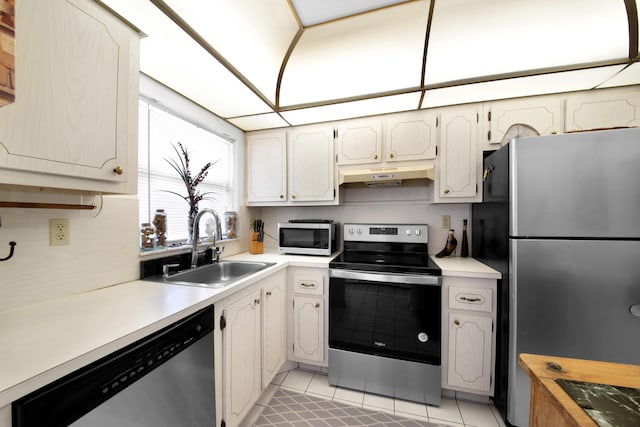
263, 64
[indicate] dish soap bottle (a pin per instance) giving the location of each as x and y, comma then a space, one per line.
464, 249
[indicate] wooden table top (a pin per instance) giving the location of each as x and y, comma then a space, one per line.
549, 368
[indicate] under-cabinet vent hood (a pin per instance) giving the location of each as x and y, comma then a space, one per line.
387, 177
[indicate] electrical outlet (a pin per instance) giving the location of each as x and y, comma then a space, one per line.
59, 232
446, 221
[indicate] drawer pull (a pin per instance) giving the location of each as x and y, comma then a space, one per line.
308, 285
456, 322
317, 305
469, 299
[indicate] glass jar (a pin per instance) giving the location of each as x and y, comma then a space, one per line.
231, 224
147, 236
160, 222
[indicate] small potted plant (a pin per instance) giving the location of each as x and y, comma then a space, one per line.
193, 197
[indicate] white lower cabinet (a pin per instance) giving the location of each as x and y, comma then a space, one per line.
308, 321
253, 345
468, 316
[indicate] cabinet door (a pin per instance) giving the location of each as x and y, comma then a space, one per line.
459, 157
75, 113
602, 109
241, 357
470, 352
308, 328
410, 136
311, 164
274, 326
267, 167
543, 114
359, 142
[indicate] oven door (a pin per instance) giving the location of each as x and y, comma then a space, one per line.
388, 315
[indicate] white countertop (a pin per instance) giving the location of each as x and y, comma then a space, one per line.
43, 342
465, 267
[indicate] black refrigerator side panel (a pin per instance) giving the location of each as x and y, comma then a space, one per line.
490, 245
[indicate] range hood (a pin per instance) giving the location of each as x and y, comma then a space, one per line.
387, 177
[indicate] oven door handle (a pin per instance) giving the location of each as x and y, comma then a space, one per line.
410, 279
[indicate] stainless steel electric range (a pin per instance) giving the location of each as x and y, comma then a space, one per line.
385, 313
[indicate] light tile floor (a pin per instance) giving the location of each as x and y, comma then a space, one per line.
451, 412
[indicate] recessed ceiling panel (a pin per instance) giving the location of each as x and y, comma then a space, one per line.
253, 35
628, 76
519, 87
372, 53
471, 38
170, 56
349, 110
260, 121
313, 12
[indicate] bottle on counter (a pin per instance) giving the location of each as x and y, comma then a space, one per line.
147, 236
464, 249
160, 222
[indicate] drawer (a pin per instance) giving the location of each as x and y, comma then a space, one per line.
471, 299
310, 283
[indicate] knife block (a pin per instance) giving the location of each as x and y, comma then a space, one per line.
255, 247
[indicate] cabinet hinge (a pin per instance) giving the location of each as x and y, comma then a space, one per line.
334, 193
336, 158
335, 133
436, 150
437, 121
489, 116
223, 322
489, 136
476, 188
477, 117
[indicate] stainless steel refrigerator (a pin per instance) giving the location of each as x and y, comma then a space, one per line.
560, 218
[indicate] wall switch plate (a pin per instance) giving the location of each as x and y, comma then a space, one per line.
446, 221
59, 232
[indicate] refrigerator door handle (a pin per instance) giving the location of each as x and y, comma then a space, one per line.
635, 310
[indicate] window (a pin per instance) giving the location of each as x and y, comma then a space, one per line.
159, 131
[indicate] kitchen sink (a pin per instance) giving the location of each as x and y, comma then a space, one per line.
217, 275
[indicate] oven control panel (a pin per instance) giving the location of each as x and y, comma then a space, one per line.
400, 233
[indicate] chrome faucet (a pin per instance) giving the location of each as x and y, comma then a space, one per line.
196, 236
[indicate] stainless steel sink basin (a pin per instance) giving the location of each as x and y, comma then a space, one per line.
217, 275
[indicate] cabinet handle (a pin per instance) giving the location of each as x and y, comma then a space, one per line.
456, 322
391, 155
293, 196
308, 285
268, 293
281, 196
256, 301
317, 305
446, 191
375, 157
118, 170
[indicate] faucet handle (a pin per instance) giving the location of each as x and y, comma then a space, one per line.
165, 269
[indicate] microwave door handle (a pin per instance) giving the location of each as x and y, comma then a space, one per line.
410, 279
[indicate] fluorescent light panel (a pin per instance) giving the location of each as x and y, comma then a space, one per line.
471, 38
348, 110
313, 12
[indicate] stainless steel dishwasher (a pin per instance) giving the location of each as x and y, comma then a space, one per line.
165, 379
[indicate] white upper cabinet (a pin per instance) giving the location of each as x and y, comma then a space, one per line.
295, 167
359, 142
410, 136
603, 109
540, 115
73, 124
460, 158
267, 167
311, 164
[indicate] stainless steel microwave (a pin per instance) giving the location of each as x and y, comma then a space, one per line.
308, 237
